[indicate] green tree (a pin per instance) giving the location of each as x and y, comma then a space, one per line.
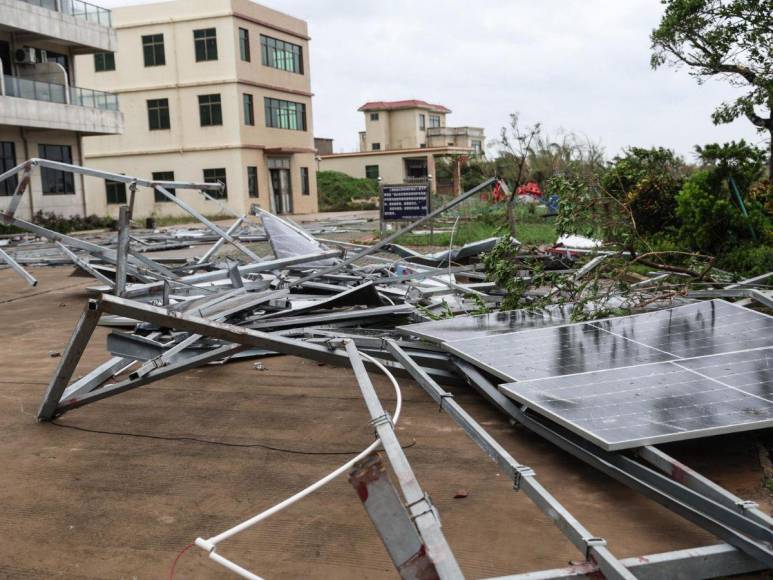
727, 39
646, 181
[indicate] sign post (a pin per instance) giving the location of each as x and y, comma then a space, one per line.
404, 202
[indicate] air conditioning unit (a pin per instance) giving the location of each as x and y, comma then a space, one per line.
24, 55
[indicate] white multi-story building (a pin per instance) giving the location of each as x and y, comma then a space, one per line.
212, 90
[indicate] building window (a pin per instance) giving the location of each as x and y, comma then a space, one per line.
210, 112
158, 114
305, 186
477, 148
422, 121
163, 176
104, 61
216, 176
8, 162
249, 109
416, 167
205, 41
115, 191
375, 146
374, 116
252, 181
371, 171
153, 50
280, 54
56, 182
285, 114
244, 44
434, 121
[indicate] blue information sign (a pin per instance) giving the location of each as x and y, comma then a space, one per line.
404, 202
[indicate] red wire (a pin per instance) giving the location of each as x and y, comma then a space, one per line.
179, 555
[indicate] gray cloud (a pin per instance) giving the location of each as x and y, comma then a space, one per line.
574, 66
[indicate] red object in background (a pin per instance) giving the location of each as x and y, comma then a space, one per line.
531, 188
497, 194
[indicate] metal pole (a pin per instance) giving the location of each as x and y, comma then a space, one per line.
124, 218
419, 505
593, 548
376, 247
219, 243
390, 518
26, 276
83, 264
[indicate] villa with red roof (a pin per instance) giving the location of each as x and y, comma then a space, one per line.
402, 140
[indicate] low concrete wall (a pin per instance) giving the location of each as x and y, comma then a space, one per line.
45, 115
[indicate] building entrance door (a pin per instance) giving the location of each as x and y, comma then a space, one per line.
281, 189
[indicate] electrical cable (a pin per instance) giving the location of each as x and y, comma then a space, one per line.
212, 442
210, 544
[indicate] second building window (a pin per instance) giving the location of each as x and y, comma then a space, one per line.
158, 114
210, 111
249, 109
206, 44
216, 176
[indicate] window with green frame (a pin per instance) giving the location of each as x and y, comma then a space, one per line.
249, 109
371, 171
252, 181
163, 176
216, 176
305, 185
244, 44
54, 181
158, 114
210, 110
285, 114
104, 61
153, 50
8, 162
205, 42
281, 54
115, 191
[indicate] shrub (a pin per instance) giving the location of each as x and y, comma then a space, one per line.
65, 225
340, 192
710, 221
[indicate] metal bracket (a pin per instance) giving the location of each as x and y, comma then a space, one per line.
425, 506
444, 396
384, 419
747, 504
591, 543
520, 472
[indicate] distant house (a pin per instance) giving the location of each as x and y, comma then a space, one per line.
402, 140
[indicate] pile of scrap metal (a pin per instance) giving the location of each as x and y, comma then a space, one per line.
363, 308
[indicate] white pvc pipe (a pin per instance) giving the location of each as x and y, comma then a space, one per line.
211, 544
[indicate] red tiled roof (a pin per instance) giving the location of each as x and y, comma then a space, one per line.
409, 104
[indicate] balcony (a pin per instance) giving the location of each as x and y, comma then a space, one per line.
40, 104
78, 9
81, 25
470, 132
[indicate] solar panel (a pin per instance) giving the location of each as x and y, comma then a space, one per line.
462, 327
659, 402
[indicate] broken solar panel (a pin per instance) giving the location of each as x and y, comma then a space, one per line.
660, 402
686, 331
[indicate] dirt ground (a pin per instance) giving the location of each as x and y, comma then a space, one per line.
80, 505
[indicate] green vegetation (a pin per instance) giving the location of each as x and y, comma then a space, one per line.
168, 220
63, 225
340, 192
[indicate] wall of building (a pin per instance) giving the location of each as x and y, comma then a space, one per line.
391, 166
398, 129
26, 144
182, 79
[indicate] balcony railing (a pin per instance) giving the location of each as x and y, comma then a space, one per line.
455, 132
55, 93
78, 9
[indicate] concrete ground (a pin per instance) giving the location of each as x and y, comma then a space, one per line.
85, 505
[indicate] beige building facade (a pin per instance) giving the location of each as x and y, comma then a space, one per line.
212, 90
43, 113
401, 142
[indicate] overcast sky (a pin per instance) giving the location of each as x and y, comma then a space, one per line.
580, 66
